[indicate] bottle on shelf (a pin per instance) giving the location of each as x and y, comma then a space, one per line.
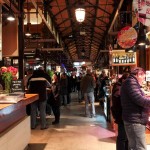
114, 58
117, 59
133, 58
127, 58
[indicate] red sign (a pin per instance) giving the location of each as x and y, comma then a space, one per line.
127, 37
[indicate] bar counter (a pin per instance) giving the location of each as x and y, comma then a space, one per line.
15, 124
11, 113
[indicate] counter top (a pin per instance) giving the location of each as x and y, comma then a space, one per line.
30, 97
11, 113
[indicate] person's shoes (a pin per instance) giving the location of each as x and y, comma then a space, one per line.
55, 122
33, 128
43, 128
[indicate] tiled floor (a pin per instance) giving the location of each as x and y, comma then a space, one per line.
75, 131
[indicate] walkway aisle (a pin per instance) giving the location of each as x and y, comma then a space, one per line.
75, 131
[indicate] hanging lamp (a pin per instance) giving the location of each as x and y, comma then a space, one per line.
28, 33
80, 13
10, 16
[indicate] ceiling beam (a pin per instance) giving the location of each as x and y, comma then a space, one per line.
43, 49
116, 15
49, 23
39, 40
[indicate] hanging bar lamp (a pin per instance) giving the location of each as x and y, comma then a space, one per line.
10, 16
80, 14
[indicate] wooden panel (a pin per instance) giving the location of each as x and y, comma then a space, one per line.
10, 39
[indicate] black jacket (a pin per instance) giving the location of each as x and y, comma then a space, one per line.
116, 103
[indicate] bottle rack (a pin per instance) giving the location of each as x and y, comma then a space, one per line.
120, 57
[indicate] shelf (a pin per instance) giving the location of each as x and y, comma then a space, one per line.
128, 64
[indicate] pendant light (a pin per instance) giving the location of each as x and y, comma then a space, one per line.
80, 13
10, 16
28, 33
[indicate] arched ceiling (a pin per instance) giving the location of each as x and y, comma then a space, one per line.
64, 33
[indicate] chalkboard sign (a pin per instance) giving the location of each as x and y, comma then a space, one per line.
17, 86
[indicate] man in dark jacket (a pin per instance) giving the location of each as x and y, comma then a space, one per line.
87, 86
135, 107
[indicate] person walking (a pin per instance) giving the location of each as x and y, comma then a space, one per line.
116, 109
87, 86
135, 109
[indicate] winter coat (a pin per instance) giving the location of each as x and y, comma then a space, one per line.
116, 107
87, 84
63, 86
54, 96
135, 105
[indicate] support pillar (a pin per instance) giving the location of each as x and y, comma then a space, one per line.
21, 39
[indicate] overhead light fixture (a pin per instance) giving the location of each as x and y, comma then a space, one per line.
132, 49
28, 33
10, 16
37, 54
80, 14
83, 52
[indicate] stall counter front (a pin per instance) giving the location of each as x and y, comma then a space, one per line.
15, 124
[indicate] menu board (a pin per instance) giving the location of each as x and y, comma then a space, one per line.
17, 86
127, 37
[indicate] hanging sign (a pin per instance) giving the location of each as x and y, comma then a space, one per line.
142, 10
127, 37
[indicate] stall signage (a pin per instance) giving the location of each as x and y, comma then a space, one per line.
142, 10
147, 75
127, 37
17, 86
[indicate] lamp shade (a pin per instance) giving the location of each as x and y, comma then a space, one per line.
80, 14
11, 16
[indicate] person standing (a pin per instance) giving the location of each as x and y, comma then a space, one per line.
55, 99
116, 109
38, 84
87, 86
63, 88
135, 109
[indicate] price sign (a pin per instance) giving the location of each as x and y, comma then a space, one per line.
17, 86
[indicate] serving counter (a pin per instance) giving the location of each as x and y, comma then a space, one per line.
15, 124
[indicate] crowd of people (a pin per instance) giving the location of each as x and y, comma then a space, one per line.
57, 93
130, 105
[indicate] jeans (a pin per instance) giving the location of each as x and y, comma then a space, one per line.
122, 141
42, 109
136, 135
63, 99
89, 99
